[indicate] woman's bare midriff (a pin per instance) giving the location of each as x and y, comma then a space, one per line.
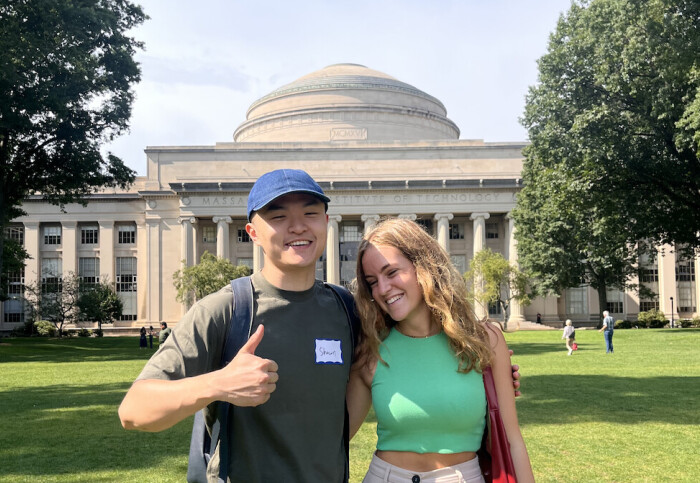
424, 461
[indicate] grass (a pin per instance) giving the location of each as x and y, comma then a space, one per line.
631, 416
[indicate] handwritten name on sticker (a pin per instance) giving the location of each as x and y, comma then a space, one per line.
328, 351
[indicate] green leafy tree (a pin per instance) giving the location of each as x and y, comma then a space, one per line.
208, 276
55, 299
613, 162
494, 280
66, 71
99, 303
13, 256
617, 111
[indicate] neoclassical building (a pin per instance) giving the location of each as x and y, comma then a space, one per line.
378, 147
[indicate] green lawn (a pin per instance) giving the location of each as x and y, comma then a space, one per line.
631, 416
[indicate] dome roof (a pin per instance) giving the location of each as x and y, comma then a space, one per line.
346, 102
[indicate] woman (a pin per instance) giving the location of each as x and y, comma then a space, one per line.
570, 336
142, 338
422, 353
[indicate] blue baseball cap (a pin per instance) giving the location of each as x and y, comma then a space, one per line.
280, 182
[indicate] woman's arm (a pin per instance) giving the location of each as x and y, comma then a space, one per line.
502, 375
358, 395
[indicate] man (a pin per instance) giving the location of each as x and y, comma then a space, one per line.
164, 333
290, 411
607, 329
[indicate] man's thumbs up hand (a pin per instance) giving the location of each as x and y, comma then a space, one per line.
248, 380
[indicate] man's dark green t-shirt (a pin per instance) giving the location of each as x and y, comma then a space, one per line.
297, 436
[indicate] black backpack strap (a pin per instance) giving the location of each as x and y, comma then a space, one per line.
237, 335
202, 444
354, 322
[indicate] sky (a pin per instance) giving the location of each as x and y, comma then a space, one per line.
202, 67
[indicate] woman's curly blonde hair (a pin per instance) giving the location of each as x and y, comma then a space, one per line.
444, 291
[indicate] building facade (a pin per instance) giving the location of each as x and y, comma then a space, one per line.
378, 147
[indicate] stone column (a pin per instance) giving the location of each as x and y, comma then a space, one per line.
106, 239
667, 280
69, 247
258, 258
222, 234
154, 295
332, 250
443, 229
195, 241
370, 221
32, 244
479, 243
516, 309
142, 271
187, 240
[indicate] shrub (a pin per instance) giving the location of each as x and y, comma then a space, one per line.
83, 333
623, 324
45, 328
97, 332
654, 319
685, 323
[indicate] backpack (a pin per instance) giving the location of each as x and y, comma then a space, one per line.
202, 444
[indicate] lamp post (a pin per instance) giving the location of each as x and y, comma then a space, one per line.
672, 312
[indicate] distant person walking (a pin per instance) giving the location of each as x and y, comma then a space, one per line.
539, 318
142, 340
607, 330
164, 333
150, 337
570, 336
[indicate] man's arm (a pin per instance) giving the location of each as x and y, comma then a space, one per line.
155, 405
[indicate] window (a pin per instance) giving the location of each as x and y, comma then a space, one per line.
51, 275
126, 234
615, 301
647, 305
248, 262
350, 235
88, 235
460, 263
686, 297
89, 270
350, 232
243, 236
15, 233
491, 230
126, 286
427, 225
685, 271
209, 234
494, 308
576, 303
456, 231
13, 307
52, 235
649, 275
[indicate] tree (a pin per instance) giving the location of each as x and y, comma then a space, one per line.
565, 238
55, 299
617, 112
13, 256
501, 281
66, 71
208, 276
99, 303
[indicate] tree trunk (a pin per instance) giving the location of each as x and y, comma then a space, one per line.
602, 301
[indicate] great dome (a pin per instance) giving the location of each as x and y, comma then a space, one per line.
346, 102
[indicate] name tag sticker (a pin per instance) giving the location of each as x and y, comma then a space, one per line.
328, 351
